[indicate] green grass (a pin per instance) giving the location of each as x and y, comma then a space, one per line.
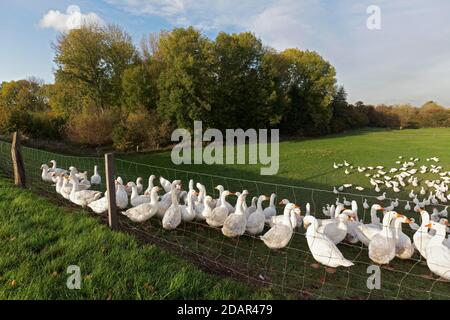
304, 164
40, 240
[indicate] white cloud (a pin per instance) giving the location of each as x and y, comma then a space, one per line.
72, 19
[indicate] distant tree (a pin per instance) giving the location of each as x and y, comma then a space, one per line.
341, 114
243, 91
186, 80
28, 95
432, 114
140, 85
408, 115
92, 59
310, 92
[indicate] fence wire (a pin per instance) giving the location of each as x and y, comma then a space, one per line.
246, 258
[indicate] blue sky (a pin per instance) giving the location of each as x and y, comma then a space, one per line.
406, 61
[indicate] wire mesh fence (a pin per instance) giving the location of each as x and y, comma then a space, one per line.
289, 270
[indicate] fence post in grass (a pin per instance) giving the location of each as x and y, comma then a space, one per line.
111, 191
17, 160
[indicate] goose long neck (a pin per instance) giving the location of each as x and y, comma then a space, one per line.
311, 231
397, 227
387, 225
75, 186
338, 211
223, 199
153, 197
174, 197
259, 204
373, 214
134, 192
425, 218
272, 200
95, 170
189, 199
150, 181
254, 202
201, 193
239, 203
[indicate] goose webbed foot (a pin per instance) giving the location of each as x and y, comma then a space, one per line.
330, 270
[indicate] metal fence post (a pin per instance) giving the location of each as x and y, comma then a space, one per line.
17, 160
111, 191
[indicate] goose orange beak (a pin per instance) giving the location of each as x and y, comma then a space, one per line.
428, 225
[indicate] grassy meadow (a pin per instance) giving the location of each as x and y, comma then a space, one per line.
305, 175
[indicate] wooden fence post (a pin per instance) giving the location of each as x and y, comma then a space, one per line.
111, 191
17, 160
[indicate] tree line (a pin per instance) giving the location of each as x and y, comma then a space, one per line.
109, 91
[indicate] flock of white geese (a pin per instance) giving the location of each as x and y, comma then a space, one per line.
383, 235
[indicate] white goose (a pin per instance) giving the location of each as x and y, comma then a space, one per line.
234, 225
138, 184
66, 188
55, 169
166, 200
200, 202
165, 184
336, 231
150, 185
219, 201
83, 183
46, 173
404, 249
59, 182
365, 232
208, 207
220, 213
255, 222
172, 217
270, 211
252, 208
382, 245
422, 237
296, 220
322, 248
121, 196
83, 197
280, 234
144, 211
188, 212
79, 175
96, 178
137, 199
437, 252
101, 205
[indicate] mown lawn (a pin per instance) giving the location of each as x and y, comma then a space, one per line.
39, 240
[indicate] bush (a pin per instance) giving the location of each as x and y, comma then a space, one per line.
141, 130
45, 125
92, 128
16, 119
